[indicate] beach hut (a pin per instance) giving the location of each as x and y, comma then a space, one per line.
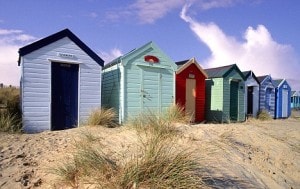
60, 82
140, 81
282, 99
190, 88
251, 94
295, 100
225, 94
266, 94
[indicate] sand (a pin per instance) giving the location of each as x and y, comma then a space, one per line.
254, 154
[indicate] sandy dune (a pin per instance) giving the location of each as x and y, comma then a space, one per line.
253, 154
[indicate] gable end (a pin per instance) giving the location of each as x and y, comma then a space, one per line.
55, 37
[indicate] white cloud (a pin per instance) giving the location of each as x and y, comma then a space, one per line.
148, 11
111, 55
10, 42
258, 52
93, 15
209, 4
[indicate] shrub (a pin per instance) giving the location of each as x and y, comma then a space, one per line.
102, 117
263, 115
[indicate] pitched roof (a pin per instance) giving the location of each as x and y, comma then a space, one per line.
261, 78
55, 37
185, 63
277, 82
222, 71
180, 63
250, 73
133, 53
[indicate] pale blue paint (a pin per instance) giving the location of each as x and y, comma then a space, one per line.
133, 86
36, 83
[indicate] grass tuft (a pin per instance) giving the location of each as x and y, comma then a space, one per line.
161, 165
102, 117
176, 114
11, 123
158, 161
263, 115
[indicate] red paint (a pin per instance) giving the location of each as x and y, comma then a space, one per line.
151, 58
200, 90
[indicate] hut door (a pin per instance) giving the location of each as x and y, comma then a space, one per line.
190, 97
284, 103
250, 101
268, 99
234, 86
150, 90
64, 96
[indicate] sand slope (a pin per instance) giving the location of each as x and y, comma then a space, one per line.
243, 155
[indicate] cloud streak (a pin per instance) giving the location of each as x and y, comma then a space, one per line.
10, 42
258, 51
111, 55
149, 11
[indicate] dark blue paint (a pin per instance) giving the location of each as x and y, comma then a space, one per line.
64, 97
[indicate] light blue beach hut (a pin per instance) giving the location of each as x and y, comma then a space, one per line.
295, 100
140, 81
60, 82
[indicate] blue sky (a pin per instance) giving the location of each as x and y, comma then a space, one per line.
261, 35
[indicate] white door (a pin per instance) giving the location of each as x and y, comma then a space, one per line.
285, 101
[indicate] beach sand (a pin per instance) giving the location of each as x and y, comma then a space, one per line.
253, 154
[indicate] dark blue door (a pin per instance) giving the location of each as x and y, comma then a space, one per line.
64, 97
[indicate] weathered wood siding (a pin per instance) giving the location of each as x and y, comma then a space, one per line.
111, 80
36, 83
270, 107
148, 87
141, 87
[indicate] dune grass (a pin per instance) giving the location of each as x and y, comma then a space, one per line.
10, 113
158, 161
102, 117
263, 115
11, 123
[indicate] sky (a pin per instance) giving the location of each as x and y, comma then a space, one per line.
258, 35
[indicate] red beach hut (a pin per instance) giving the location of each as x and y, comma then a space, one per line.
190, 88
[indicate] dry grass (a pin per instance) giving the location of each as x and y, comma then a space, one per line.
102, 117
88, 166
176, 114
161, 165
11, 123
263, 115
158, 162
10, 113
